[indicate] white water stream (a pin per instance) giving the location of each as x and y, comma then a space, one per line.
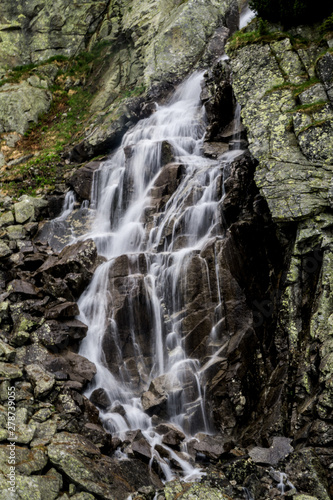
157, 250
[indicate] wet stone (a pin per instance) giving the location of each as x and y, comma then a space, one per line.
81, 180
172, 436
141, 448
100, 398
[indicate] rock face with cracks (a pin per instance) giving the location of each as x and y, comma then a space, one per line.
269, 389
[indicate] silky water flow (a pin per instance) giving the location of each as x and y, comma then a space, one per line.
156, 246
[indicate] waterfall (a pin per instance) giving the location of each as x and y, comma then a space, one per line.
149, 253
246, 16
68, 206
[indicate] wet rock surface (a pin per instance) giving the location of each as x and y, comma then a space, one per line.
270, 380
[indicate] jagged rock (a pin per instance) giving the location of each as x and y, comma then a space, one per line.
24, 211
76, 367
80, 258
278, 451
56, 336
7, 353
68, 405
7, 219
22, 329
24, 434
304, 497
5, 251
100, 398
289, 60
212, 446
177, 489
140, 447
15, 232
40, 487
155, 399
44, 433
83, 496
98, 435
20, 105
10, 371
63, 310
42, 380
165, 184
81, 181
21, 288
46, 30
31, 262
27, 461
82, 462
172, 435
58, 287
28, 208
217, 97
313, 94
324, 68
285, 160
4, 311
306, 473
42, 415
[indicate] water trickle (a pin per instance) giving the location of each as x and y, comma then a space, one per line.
237, 127
68, 206
152, 240
284, 484
247, 494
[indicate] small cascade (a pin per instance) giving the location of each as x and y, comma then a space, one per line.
247, 494
154, 239
67, 207
237, 143
284, 484
59, 232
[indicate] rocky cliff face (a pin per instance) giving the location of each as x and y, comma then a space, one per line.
269, 383
285, 91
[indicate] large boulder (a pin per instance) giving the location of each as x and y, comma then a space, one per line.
21, 105
82, 180
82, 462
57, 335
71, 270
292, 144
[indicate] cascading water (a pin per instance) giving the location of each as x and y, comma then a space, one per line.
157, 252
